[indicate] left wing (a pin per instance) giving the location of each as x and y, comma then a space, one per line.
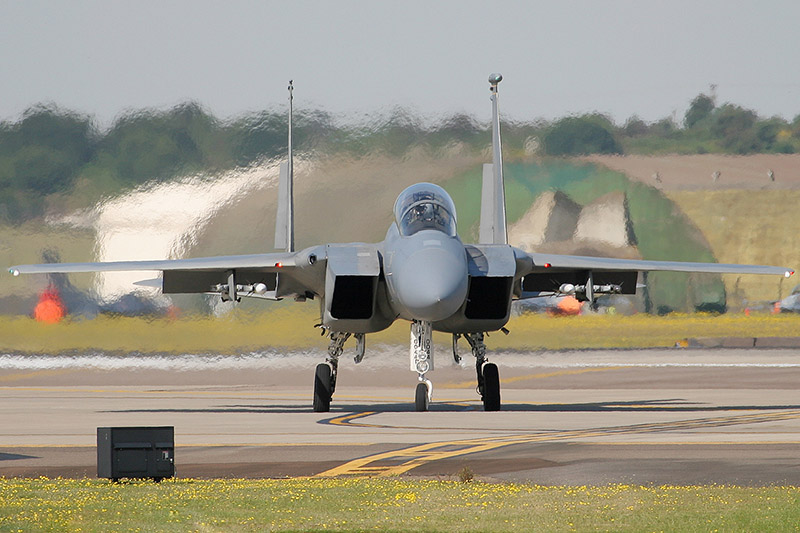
542, 262
589, 276
269, 276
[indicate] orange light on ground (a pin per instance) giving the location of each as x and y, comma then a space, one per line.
50, 309
567, 306
570, 306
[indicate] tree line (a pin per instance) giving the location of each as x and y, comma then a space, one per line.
51, 151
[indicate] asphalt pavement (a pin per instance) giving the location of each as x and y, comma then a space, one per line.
680, 416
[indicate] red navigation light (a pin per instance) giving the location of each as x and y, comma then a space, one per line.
547, 265
279, 265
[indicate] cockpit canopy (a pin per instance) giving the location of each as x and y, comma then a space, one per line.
425, 206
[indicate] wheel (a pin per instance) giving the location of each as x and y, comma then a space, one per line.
322, 389
491, 387
421, 398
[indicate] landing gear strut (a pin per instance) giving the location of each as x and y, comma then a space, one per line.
422, 362
488, 376
325, 378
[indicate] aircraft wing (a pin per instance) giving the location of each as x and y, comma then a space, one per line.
225, 262
270, 276
543, 262
554, 273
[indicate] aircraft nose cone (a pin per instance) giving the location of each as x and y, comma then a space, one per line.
432, 284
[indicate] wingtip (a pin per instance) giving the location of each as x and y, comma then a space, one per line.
14, 272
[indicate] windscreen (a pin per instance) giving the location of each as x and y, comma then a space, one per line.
425, 206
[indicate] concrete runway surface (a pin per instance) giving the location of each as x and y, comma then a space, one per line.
680, 416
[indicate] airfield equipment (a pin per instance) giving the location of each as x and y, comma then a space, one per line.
136, 452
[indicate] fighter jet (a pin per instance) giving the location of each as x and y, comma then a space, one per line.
421, 272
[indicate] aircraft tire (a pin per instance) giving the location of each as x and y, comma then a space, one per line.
421, 398
491, 387
322, 388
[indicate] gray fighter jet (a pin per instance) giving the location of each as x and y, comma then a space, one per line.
421, 273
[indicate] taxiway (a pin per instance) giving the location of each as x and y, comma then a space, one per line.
680, 416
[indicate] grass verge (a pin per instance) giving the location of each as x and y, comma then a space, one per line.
394, 504
291, 327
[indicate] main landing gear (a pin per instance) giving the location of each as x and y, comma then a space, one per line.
488, 376
422, 362
325, 377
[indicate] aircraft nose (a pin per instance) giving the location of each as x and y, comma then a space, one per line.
432, 284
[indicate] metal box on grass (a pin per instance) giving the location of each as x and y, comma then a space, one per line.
136, 452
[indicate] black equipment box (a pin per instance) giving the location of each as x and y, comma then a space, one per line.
136, 452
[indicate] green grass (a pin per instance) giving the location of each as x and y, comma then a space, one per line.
637, 331
291, 327
387, 504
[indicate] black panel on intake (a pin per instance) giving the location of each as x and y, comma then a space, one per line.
488, 298
353, 297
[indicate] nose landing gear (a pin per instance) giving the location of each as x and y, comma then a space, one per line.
424, 393
421, 355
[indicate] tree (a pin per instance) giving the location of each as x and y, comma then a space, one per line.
700, 108
44, 151
796, 127
734, 127
158, 144
663, 128
635, 127
580, 136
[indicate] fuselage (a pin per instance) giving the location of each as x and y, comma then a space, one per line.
424, 262
420, 272
426, 274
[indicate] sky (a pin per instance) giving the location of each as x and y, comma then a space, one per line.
355, 58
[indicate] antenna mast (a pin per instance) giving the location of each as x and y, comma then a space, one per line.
284, 219
290, 191
500, 233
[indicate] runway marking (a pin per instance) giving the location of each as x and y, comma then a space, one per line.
230, 394
697, 443
347, 420
543, 375
398, 462
151, 392
36, 374
7, 447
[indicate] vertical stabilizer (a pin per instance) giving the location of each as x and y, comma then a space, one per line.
493, 197
284, 223
282, 238
487, 205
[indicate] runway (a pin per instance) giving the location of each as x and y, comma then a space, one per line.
667, 416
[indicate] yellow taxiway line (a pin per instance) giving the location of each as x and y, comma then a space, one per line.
397, 462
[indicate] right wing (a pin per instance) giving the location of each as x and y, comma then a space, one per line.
545, 274
269, 276
543, 262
